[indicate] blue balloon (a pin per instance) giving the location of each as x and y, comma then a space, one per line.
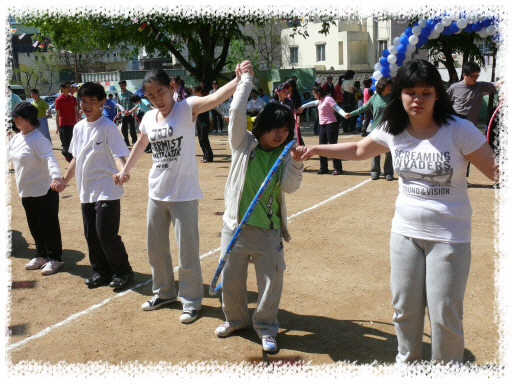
486, 23
431, 24
447, 32
408, 31
469, 28
477, 27
404, 40
373, 80
454, 28
425, 32
399, 62
384, 62
400, 56
401, 48
421, 40
385, 53
373, 88
384, 71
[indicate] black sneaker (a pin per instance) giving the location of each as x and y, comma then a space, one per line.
156, 302
121, 280
98, 279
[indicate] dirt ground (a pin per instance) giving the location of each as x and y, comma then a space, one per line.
336, 304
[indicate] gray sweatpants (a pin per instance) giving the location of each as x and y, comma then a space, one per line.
184, 218
265, 246
433, 275
388, 165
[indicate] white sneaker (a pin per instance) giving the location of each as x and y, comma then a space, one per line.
51, 267
214, 131
269, 343
189, 316
36, 263
227, 328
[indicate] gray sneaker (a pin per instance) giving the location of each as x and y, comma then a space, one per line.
227, 328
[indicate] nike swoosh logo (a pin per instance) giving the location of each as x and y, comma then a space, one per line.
99, 142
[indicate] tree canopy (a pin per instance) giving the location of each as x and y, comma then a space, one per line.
207, 34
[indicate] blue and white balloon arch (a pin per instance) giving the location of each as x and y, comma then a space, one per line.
428, 29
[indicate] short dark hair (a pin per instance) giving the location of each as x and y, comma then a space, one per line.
122, 82
134, 98
91, 89
34, 91
63, 84
28, 112
382, 83
198, 88
367, 82
357, 84
349, 75
272, 116
158, 76
319, 89
261, 89
111, 96
411, 74
340, 80
470, 67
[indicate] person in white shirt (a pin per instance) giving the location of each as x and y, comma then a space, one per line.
38, 179
430, 242
99, 151
255, 105
174, 190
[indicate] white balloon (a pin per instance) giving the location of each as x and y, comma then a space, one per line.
396, 41
439, 28
392, 49
483, 33
393, 73
377, 67
434, 35
422, 23
455, 15
377, 75
416, 30
471, 20
446, 21
393, 67
410, 48
413, 39
391, 59
462, 23
491, 30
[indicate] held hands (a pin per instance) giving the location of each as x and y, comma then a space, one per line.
302, 153
300, 110
226, 119
121, 178
347, 116
126, 113
58, 184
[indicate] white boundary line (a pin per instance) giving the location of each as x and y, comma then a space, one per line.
106, 301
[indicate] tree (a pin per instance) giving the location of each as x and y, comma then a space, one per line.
40, 75
238, 52
268, 42
206, 34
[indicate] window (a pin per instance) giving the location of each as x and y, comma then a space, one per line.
340, 52
383, 44
320, 52
483, 48
294, 55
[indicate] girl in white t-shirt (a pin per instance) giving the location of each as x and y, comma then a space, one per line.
174, 188
431, 230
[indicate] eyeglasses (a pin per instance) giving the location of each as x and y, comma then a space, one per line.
283, 87
474, 76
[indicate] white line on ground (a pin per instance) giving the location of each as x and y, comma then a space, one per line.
106, 301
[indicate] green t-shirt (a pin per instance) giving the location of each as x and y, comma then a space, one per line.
42, 106
267, 213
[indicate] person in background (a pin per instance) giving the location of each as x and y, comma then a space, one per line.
255, 105
66, 116
368, 115
338, 96
306, 98
263, 96
13, 100
218, 125
110, 108
349, 101
42, 106
318, 82
128, 122
329, 87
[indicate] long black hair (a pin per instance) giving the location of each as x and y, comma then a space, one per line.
411, 74
272, 116
295, 95
319, 89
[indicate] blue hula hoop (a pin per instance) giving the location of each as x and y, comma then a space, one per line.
214, 288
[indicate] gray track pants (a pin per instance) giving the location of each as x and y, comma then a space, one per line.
184, 218
431, 274
265, 246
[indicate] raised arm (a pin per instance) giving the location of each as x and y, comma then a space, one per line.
203, 104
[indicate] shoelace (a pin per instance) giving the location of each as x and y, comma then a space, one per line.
269, 340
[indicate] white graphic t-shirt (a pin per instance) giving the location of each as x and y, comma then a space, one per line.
174, 175
96, 146
433, 202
